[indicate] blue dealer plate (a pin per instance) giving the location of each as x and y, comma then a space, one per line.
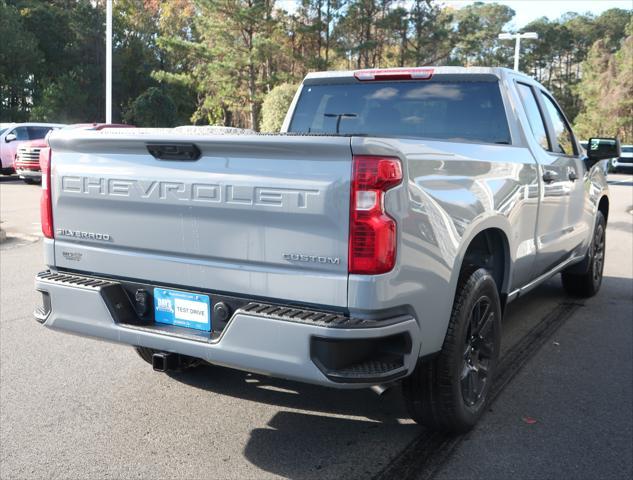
183, 309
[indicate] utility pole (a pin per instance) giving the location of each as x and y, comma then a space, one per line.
517, 46
108, 92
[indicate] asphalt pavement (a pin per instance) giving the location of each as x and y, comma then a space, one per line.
72, 407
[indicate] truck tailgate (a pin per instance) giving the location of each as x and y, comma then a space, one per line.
260, 216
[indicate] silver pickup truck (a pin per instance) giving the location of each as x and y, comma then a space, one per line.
376, 240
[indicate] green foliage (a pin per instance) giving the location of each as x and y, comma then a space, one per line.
218, 60
606, 91
19, 56
478, 26
276, 106
555, 59
152, 108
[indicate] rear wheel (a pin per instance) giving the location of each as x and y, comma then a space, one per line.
450, 392
29, 181
186, 363
588, 283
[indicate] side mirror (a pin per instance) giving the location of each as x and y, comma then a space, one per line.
10, 137
602, 148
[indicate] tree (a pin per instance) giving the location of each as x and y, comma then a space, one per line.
275, 107
606, 91
431, 40
217, 60
622, 91
152, 108
478, 26
19, 56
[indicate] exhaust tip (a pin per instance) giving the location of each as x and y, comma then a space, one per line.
379, 389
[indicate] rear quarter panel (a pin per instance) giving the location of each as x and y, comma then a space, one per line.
451, 192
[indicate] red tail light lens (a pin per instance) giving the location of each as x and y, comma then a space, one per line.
46, 201
372, 235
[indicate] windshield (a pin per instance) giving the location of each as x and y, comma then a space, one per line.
445, 110
2, 130
627, 149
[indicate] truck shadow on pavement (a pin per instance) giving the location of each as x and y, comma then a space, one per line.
387, 408
316, 442
298, 445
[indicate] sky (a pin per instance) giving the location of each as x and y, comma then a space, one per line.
526, 10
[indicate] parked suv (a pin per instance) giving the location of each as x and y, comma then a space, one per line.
377, 240
14, 136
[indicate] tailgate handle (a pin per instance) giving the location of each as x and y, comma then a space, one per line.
174, 151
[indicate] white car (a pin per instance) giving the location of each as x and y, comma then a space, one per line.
624, 163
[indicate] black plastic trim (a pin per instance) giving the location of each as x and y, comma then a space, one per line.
188, 152
361, 360
322, 318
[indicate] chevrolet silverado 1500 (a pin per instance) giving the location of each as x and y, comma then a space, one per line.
376, 240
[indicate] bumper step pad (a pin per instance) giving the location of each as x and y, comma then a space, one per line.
312, 317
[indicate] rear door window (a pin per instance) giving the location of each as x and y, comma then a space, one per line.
444, 110
535, 119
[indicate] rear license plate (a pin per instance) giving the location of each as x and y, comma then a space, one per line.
183, 309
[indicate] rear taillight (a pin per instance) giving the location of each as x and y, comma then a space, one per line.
372, 233
46, 202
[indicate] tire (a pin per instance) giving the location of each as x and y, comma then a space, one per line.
450, 392
587, 284
186, 363
29, 181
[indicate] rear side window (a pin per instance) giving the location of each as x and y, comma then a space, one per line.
535, 119
444, 110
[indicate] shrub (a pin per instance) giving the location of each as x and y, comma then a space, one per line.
152, 108
276, 105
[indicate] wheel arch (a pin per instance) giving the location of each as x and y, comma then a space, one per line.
603, 206
488, 246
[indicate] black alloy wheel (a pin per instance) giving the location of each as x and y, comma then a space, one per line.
478, 352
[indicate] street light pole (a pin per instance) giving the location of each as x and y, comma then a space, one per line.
517, 45
108, 92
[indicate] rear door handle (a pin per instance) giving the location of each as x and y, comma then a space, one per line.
550, 176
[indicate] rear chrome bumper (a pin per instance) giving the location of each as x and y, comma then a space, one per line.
351, 354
